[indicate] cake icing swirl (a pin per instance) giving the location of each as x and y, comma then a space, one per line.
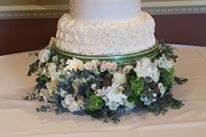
106, 38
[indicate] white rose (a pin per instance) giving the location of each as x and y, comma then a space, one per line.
119, 78
92, 66
127, 69
164, 63
103, 67
74, 65
145, 68
162, 89
94, 86
89, 66
44, 55
99, 93
110, 66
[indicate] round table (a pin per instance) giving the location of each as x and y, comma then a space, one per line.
18, 118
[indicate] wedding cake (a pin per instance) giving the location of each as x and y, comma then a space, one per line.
105, 62
105, 27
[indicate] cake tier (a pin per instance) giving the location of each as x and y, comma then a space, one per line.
104, 10
116, 38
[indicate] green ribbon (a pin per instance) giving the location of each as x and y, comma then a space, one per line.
119, 59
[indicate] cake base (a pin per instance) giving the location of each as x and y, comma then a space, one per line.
119, 59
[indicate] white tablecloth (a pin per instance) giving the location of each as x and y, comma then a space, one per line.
18, 118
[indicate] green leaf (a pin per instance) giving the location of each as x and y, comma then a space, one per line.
94, 103
41, 81
167, 77
137, 85
33, 68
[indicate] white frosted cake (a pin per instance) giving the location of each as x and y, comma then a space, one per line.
105, 27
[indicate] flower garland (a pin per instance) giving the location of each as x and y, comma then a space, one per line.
104, 89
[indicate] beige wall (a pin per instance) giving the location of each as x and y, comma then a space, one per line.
27, 2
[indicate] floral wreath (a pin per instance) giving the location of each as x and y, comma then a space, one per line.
104, 90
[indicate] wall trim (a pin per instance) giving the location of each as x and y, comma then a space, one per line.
32, 11
54, 11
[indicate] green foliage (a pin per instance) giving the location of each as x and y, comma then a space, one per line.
31, 96
44, 108
167, 77
94, 103
161, 105
168, 52
180, 81
137, 85
33, 68
41, 81
134, 89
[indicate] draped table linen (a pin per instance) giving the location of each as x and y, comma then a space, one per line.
18, 118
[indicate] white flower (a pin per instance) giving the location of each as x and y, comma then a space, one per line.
93, 86
45, 94
51, 86
114, 96
119, 78
74, 65
164, 63
110, 66
162, 89
71, 104
55, 59
92, 66
127, 69
148, 98
63, 93
44, 55
52, 72
99, 93
145, 68
43, 71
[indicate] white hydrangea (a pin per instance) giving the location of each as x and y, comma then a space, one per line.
52, 72
145, 68
164, 63
71, 104
114, 96
119, 78
74, 65
110, 66
44, 55
162, 89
